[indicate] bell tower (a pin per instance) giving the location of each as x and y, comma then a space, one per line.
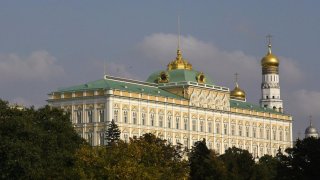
270, 88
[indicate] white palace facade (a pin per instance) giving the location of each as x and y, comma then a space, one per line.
181, 105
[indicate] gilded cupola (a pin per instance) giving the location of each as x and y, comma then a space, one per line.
237, 93
179, 62
270, 62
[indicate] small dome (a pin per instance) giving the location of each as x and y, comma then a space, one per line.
238, 94
269, 59
311, 130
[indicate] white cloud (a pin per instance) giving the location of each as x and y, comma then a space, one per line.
204, 56
120, 70
39, 65
289, 71
218, 63
306, 102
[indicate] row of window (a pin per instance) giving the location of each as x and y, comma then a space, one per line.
256, 151
89, 116
90, 138
240, 131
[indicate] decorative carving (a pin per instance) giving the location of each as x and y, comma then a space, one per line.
209, 99
163, 77
201, 78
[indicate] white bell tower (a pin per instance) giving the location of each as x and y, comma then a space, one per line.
270, 88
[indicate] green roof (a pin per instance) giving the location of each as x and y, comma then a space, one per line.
179, 75
121, 84
250, 106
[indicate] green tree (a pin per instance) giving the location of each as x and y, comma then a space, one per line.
303, 159
36, 143
147, 157
239, 163
112, 133
204, 163
266, 168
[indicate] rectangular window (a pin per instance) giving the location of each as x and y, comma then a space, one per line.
90, 139
125, 116
101, 115
254, 132
169, 121
287, 136
225, 128
261, 133
281, 136
134, 117
152, 119
115, 115
185, 123
209, 127
143, 118
160, 120
274, 134
101, 136
79, 117
201, 126
194, 126
217, 128
268, 134
232, 130
177, 122
240, 130
247, 131
90, 117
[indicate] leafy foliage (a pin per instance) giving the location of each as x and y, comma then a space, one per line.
42, 144
147, 157
36, 143
204, 163
239, 163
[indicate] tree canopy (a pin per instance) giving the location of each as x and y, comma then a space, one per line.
42, 144
147, 157
36, 143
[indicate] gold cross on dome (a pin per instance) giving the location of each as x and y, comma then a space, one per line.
269, 39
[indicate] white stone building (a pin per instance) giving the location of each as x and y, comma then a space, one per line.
183, 106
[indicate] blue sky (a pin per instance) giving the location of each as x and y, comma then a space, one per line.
49, 44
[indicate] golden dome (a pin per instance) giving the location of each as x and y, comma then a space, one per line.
269, 60
179, 62
238, 93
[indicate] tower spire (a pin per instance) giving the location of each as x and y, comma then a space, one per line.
236, 79
270, 88
269, 43
179, 62
179, 32
310, 119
